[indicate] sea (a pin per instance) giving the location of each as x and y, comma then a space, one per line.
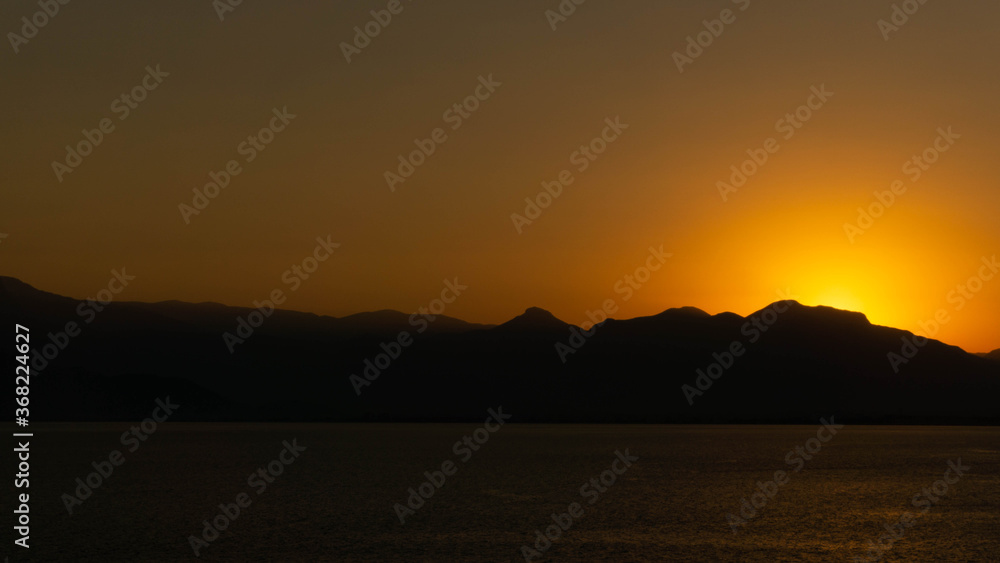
506, 492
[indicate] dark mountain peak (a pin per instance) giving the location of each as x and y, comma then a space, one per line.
21, 292
15, 285
533, 319
791, 304
537, 311
728, 316
684, 312
820, 314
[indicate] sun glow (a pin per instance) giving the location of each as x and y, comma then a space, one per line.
839, 298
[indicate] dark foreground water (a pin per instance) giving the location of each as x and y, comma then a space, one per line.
335, 501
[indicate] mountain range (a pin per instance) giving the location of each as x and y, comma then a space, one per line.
787, 363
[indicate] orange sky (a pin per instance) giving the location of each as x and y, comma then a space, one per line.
655, 184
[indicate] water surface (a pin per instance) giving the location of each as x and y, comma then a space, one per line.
335, 502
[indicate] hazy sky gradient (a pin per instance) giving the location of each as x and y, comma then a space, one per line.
655, 185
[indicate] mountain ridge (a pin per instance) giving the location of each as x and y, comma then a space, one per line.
783, 363
532, 316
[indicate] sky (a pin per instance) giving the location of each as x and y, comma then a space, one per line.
548, 85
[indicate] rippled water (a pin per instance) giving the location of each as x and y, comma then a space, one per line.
335, 502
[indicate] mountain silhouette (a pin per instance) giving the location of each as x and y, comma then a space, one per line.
784, 363
533, 321
994, 355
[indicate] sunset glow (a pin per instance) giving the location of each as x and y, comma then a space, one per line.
656, 183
